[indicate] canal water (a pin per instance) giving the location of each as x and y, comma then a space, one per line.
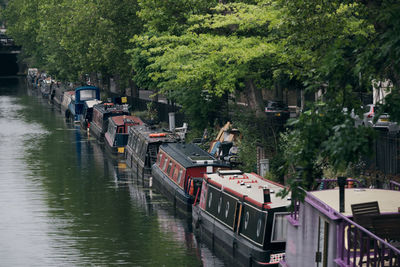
65, 202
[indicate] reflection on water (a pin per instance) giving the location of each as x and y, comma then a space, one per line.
64, 202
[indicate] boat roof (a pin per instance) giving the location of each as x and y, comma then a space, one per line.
249, 186
388, 200
87, 87
91, 103
150, 134
190, 155
123, 119
111, 108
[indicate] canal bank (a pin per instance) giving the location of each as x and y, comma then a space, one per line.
65, 202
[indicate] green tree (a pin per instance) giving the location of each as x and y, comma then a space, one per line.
221, 53
72, 38
339, 48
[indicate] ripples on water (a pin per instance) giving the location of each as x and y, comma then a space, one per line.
63, 202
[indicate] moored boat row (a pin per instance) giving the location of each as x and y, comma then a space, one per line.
229, 209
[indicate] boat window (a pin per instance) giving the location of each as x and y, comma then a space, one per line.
120, 129
143, 149
176, 170
210, 200
87, 95
173, 172
259, 227
138, 147
165, 164
169, 167
134, 142
180, 176
246, 220
279, 227
227, 209
159, 159
219, 205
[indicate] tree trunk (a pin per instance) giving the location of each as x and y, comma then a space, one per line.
93, 79
134, 89
255, 99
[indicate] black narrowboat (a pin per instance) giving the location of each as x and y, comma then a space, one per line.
101, 113
116, 136
87, 113
143, 145
179, 170
239, 215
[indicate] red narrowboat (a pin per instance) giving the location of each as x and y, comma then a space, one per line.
179, 170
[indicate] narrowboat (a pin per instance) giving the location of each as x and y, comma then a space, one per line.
179, 170
116, 136
101, 113
87, 113
82, 94
241, 217
66, 100
344, 226
143, 145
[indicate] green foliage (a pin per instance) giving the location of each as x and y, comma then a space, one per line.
72, 38
220, 53
323, 136
170, 16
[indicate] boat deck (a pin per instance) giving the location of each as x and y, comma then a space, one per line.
388, 200
123, 119
250, 185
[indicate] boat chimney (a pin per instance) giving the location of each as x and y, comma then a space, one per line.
341, 183
171, 117
267, 195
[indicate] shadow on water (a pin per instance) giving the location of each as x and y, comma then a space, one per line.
76, 205
12, 85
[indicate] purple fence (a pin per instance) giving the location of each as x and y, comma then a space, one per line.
332, 183
359, 247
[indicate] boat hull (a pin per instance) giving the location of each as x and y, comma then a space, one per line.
226, 243
97, 132
172, 191
136, 164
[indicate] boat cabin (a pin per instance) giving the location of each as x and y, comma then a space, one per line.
82, 94
116, 136
179, 171
87, 113
345, 226
143, 145
243, 209
101, 114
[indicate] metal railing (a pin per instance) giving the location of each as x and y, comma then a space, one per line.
359, 247
331, 183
